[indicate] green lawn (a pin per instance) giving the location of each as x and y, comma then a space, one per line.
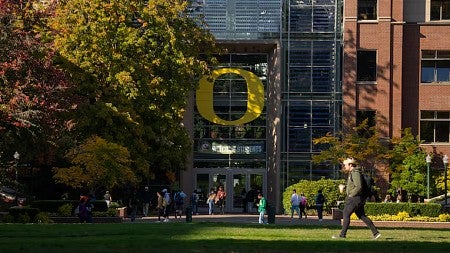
212, 237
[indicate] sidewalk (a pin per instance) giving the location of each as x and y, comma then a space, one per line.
286, 220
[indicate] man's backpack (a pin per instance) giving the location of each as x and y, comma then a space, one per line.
178, 198
367, 185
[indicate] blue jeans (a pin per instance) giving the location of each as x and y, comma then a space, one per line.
261, 217
211, 207
296, 209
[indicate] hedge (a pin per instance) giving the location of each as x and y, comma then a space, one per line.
52, 206
413, 209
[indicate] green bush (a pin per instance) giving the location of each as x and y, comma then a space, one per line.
52, 206
8, 218
23, 214
43, 217
65, 210
413, 209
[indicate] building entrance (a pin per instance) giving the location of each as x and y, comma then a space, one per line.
241, 187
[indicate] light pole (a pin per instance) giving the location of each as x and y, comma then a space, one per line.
445, 160
16, 158
428, 159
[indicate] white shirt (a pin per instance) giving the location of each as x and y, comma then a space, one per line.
295, 200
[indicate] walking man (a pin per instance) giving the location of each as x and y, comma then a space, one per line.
295, 203
355, 199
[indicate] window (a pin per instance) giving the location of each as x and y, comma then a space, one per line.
367, 9
366, 66
440, 10
435, 66
434, 126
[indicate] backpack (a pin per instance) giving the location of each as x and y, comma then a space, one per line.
320, 199
367, 185
177, 198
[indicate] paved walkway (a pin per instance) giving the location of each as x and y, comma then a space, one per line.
286, 220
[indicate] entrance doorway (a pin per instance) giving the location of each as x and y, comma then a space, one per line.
239, 185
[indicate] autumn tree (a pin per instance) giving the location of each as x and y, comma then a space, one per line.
97, 165
364, 143
136, 62
33, 89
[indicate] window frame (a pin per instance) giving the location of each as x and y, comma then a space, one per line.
436, 121
435, 67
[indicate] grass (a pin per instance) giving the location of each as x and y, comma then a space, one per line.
212, 237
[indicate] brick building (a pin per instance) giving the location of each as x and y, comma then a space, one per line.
396, 69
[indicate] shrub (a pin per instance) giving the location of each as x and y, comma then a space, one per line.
23, 218
445, 217
413, 209
43, 217
8, 218
65, 210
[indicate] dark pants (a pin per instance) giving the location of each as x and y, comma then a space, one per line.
303, 211
320, 211
356, 205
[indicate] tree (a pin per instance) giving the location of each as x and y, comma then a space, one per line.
408, 165
97, 165
364, 144
136, 62
33, 90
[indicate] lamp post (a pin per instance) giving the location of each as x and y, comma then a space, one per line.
445, 160
16, 158
428, 160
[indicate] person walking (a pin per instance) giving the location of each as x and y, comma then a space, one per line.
146, 200
210, 201
261, 208
194, 202
166, 204
108, 198
320, 202
355, 199
303, 204
160, 205
220, 199
295, 203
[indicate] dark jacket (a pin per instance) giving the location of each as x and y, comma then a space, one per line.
354, 183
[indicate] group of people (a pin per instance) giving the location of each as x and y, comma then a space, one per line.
299, 204
355, 202
216, 198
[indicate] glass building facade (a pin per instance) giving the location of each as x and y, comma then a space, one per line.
275, 90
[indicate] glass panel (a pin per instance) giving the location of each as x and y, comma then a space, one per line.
443, 54
428, 54
442, 131
443, 71
426, 131
427, 114
435, 12
427, 72
367, 9
446, 9
443, 115
366, 66
239, 191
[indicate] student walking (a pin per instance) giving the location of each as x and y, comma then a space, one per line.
320, 202
355, 199
295, 203
261, 208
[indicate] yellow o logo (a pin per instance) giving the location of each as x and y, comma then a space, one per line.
255, 97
